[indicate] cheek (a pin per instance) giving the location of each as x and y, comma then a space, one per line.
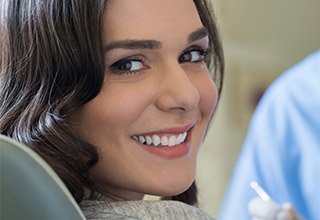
208, 97
120, 106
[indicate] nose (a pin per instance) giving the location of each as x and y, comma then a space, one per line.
179, 92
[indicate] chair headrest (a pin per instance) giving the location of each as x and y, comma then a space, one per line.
30, 189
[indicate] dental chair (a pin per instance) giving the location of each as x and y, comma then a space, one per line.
30, 189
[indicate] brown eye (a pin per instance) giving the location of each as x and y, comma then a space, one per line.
128, 65
193, 56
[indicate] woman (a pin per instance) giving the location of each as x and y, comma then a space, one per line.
115, 95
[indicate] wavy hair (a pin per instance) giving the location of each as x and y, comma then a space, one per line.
50, 65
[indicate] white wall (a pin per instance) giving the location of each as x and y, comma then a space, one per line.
261, 39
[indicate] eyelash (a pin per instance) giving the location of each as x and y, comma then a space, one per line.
118, 67
203, 53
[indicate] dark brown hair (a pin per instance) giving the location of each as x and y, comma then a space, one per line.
50, 65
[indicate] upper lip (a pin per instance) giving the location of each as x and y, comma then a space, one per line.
172, 130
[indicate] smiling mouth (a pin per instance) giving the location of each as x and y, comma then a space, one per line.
164, 140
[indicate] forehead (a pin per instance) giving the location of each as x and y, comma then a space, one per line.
149, 19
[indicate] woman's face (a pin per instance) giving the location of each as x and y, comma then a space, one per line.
149, 119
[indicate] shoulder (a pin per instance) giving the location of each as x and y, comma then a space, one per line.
299, 80
294, 93
288, 111
94, 209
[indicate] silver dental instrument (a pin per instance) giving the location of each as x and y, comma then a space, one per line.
260, 191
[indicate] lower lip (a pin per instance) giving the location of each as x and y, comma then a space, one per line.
172, 152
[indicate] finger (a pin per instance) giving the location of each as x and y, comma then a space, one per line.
288, 213
262, 209
256, 218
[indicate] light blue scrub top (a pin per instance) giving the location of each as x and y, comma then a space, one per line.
282, 147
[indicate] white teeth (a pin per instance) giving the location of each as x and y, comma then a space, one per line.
179, 139
172, 140
156, 140
184, 135
165, 140
141, 139
149, 140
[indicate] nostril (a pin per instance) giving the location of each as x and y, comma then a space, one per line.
178, 98
179, 89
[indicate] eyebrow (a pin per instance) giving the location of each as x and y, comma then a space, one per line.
198, 34
153, 44
134, 44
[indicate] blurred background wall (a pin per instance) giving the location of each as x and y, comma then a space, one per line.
261, 39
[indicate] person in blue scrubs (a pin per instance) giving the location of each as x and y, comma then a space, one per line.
282, 149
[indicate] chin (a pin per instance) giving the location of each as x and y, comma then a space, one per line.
182, 189
175, 187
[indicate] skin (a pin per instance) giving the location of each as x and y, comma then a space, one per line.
163, 92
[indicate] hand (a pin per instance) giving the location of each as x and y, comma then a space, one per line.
268, 210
